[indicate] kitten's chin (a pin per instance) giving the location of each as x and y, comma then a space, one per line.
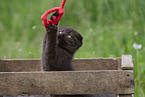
60, 37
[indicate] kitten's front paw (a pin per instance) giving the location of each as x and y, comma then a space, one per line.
51, 28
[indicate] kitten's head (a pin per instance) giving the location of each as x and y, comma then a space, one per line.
69, 39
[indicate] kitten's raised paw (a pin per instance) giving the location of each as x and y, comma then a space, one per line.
51, 28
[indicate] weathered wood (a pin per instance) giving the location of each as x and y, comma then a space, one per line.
126, 63
17, 65
96, 63
67, 82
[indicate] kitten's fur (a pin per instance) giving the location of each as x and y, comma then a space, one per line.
58, 48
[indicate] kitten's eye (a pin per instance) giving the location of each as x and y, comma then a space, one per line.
69, 36
61, 32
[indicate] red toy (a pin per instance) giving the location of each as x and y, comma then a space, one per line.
55, 21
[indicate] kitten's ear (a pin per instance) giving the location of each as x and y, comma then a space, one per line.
80, 37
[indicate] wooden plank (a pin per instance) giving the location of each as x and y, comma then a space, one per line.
127, 62
67, 82
17, 65
96, 63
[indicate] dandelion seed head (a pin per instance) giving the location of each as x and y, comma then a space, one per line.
137, 46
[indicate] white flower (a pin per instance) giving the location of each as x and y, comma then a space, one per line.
137, 46
34, 27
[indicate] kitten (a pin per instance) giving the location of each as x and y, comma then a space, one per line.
58, 48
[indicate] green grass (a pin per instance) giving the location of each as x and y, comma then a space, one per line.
109, 27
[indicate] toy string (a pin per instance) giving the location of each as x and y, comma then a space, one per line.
56, 19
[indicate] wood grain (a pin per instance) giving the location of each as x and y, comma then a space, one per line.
18, 65
67, 82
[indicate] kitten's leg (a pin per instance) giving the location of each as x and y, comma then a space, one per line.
49, 47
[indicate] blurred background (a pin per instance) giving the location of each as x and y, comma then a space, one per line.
110, 29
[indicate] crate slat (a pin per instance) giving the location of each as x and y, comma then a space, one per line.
67, 82
18, 65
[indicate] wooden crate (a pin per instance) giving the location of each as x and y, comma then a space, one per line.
93, 76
